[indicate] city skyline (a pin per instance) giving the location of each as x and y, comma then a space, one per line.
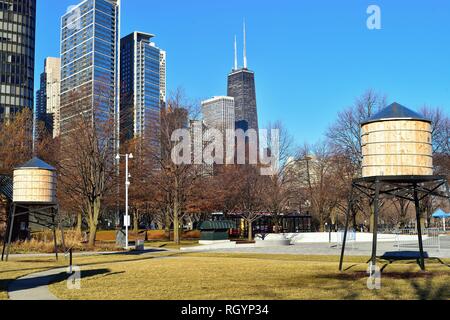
324, 59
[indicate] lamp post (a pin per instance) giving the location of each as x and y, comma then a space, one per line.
127, 185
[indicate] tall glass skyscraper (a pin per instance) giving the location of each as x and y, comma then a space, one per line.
89, 62
143, 87
17, 41
241, 86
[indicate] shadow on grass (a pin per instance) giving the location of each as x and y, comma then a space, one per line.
135, 252
425, 285
34, 282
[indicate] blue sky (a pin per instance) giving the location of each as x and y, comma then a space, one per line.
311, 58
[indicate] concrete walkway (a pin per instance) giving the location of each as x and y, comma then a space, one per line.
34, 286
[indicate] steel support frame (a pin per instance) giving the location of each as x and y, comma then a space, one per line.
375, 187
49, 211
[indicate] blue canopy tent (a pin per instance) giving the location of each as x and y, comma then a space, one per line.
440, 214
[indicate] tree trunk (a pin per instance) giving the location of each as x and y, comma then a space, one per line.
321, 222
250, 230
92, 234
93, 221
79, 223
167, 225
176, 227
136, 221
176, 213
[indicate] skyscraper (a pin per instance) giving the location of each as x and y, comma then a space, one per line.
241, 86
89, 63
47, 100
142, 87
17, 34
218, 113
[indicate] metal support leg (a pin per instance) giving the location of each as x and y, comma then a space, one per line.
5, 237
347, 220
448, 191
375, 223
419, 228
54, 237
61, 229
8, 248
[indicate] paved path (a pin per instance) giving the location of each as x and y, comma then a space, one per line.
34, 286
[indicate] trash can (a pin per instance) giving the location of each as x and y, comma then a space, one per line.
215, 230
139, 246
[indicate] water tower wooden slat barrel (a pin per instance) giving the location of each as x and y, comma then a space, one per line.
35, 183
396, 142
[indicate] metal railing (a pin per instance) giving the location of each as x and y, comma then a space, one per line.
430, 240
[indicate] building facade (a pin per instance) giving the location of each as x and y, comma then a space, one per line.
241, 86
48, 96
143, 88
17, 45
89, 63
219, 113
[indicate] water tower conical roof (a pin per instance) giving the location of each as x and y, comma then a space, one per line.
396, 111
36, 163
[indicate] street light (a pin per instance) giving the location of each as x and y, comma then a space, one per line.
127, 185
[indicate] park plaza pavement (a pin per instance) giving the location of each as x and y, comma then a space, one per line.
352, 249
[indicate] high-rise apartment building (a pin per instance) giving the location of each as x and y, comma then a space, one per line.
241, 86
17, 43
48, 96
89, 63
143, 87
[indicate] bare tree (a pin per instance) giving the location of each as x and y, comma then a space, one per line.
247, 193
175, 181
87, 167
345, 134
281, 184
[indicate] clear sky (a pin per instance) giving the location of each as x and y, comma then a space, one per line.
311, 58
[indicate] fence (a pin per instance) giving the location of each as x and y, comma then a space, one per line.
431, 239
351, 238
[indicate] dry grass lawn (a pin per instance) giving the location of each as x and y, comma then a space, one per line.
251, 276
19, 267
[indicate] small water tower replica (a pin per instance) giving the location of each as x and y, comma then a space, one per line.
397, 162
34, 196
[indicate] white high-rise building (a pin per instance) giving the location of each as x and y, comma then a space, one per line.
219, 113
53, 86
48, 95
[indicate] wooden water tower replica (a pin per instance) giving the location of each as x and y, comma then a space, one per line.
397, 162
34, 195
